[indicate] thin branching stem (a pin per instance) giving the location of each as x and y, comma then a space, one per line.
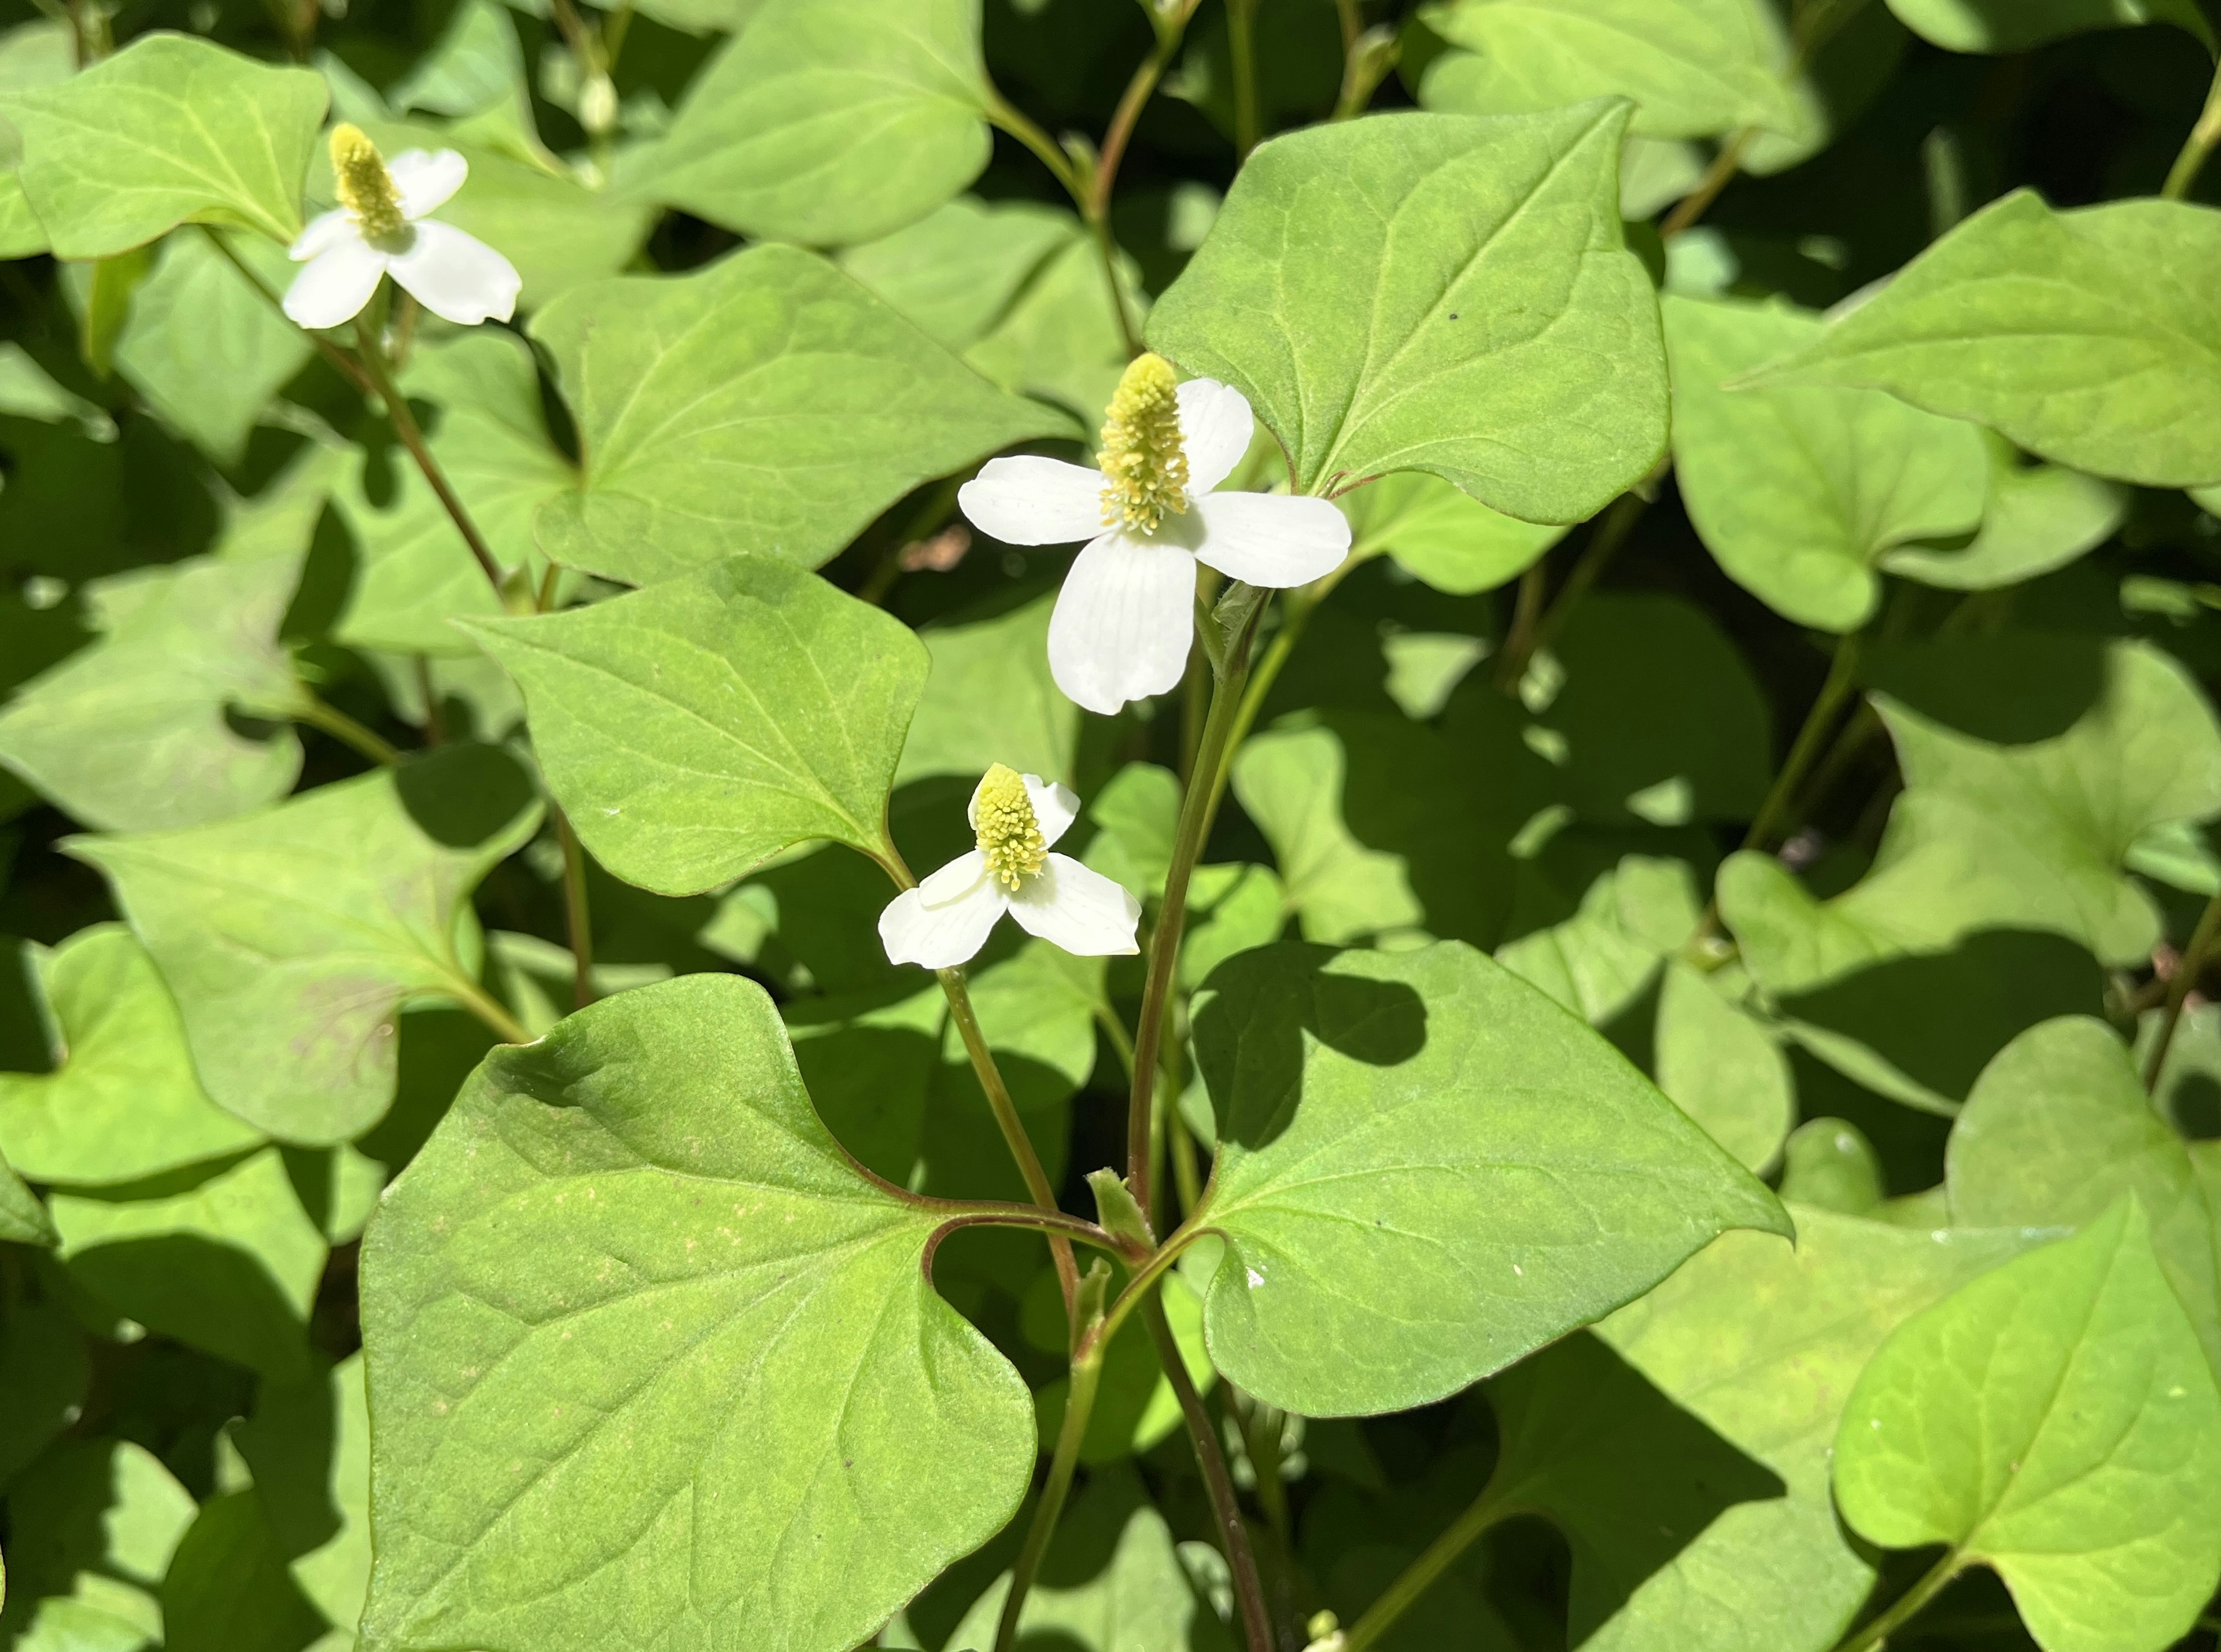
1226, 1512
2178, 985
1401, 1595
372, 356
1079, 1407
322, 714
2204, 135
1878, 1631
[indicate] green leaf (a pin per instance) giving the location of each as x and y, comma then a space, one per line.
2057, 1422
171, 130
229, 1264
766, 403
2017, 25
1436, 292
1425, 1170
227, 1589
1829, 1164
2128, 382
413, 571
308, 1446
1111, 1581
2059, 1127
1061, 341
2037, 518
989, 700
206, 350
2032, 765
1136, 816
131, 734
1456, 544
1602, 962
1761, 1342
956, 270
293, 938
1694, 68
693, 730
563, 1450
831, 121
1799, 491
23, 1220
1231, 908
1719, 1064
124, 1101
43, 1373
96, 1522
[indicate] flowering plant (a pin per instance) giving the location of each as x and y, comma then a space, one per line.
1577, 638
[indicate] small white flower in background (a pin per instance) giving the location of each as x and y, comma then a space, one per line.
945, 920
1124, 620
379, 228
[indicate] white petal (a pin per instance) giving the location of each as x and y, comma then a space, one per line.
945, 920
335, 285
324, 232
1074, 907
1124, 622
424, 182
1269, 539
1034, 501
457, 276
1215, 426
1056, 807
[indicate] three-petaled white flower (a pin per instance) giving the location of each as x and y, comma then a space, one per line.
379, 228
1124, 620
945, 920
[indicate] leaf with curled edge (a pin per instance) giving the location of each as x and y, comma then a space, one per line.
652, 1363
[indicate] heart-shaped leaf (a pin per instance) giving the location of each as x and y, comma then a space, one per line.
1798, 492
2128, 382
570, 1446
124, 1101
767, 403
2053, 1420
131, 734
172, 129
292, 938
695, 728
1436, 292
831, 121
1426, 1169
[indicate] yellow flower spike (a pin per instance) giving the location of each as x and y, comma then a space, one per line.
1010, 834
1144, 464
364, 186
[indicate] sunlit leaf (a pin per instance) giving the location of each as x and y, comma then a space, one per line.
94, 1526
1427, 1169
831, 121
2056, 1421
695, 728
766, 404
2128, 382
563, 1445
292, 938
171, 130
990, 699
1441, 293
308, 1444
1455, 543
2017, 25
124, 1101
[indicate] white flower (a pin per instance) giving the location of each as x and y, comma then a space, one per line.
379, 228
1124, 620
945, 920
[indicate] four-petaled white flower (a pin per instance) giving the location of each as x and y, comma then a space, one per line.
945, 920
1124, 620
379, 229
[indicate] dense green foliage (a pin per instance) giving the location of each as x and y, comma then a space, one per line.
1555, 996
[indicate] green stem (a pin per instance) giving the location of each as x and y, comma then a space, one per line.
2186, 970
1526, 618
1693, 206
1079, 1405
1233, 1536
1196, 811
372, 356
1843, 677
322, 714
2197, 146
488, 1009
1605, 541
1419, 1576
1242, 47
348, 366
1880, 1630
577, 920
1295, 614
